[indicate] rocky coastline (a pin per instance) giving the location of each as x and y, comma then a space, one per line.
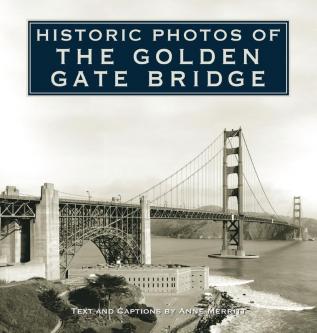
220, 306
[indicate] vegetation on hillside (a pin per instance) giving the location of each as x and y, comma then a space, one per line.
105, 291
210, 229
311, 224
186, 228
35, 307
105, 295
145, 312
22, 311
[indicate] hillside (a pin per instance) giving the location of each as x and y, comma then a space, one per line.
20, 308
34, 306
311, 224
210, 229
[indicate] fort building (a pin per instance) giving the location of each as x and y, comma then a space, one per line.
161, 279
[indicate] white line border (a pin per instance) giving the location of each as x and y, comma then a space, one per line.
284, 93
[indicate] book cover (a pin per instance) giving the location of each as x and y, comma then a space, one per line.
158, 166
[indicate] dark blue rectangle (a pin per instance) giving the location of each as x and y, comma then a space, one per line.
185, 58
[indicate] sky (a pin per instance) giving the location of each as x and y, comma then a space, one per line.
112, 145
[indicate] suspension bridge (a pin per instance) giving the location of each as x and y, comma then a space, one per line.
220, 184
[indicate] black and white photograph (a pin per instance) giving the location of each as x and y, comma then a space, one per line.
158, 166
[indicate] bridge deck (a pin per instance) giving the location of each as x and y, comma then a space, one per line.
156, 211
201, 214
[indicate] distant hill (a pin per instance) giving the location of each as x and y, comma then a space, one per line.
311, 224
186, 228
210, 229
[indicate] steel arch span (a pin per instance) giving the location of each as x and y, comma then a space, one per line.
114, 229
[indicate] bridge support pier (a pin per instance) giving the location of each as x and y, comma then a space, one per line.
45, 232
16, 244
232, 244
146, 257
10, 249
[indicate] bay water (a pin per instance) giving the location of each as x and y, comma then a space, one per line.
280, 287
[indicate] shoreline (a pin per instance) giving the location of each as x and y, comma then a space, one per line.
227, 307
187, 317
242, 292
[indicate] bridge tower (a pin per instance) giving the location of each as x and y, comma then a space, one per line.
232, 232
297, 217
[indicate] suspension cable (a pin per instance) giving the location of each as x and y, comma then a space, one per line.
257, 175
190, 176
178, 171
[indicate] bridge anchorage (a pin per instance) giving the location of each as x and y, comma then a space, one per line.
40, 236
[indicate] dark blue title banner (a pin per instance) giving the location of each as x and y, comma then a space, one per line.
164, 58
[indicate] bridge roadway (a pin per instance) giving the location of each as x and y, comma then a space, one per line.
24, 207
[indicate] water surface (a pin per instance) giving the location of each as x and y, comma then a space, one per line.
285, 279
